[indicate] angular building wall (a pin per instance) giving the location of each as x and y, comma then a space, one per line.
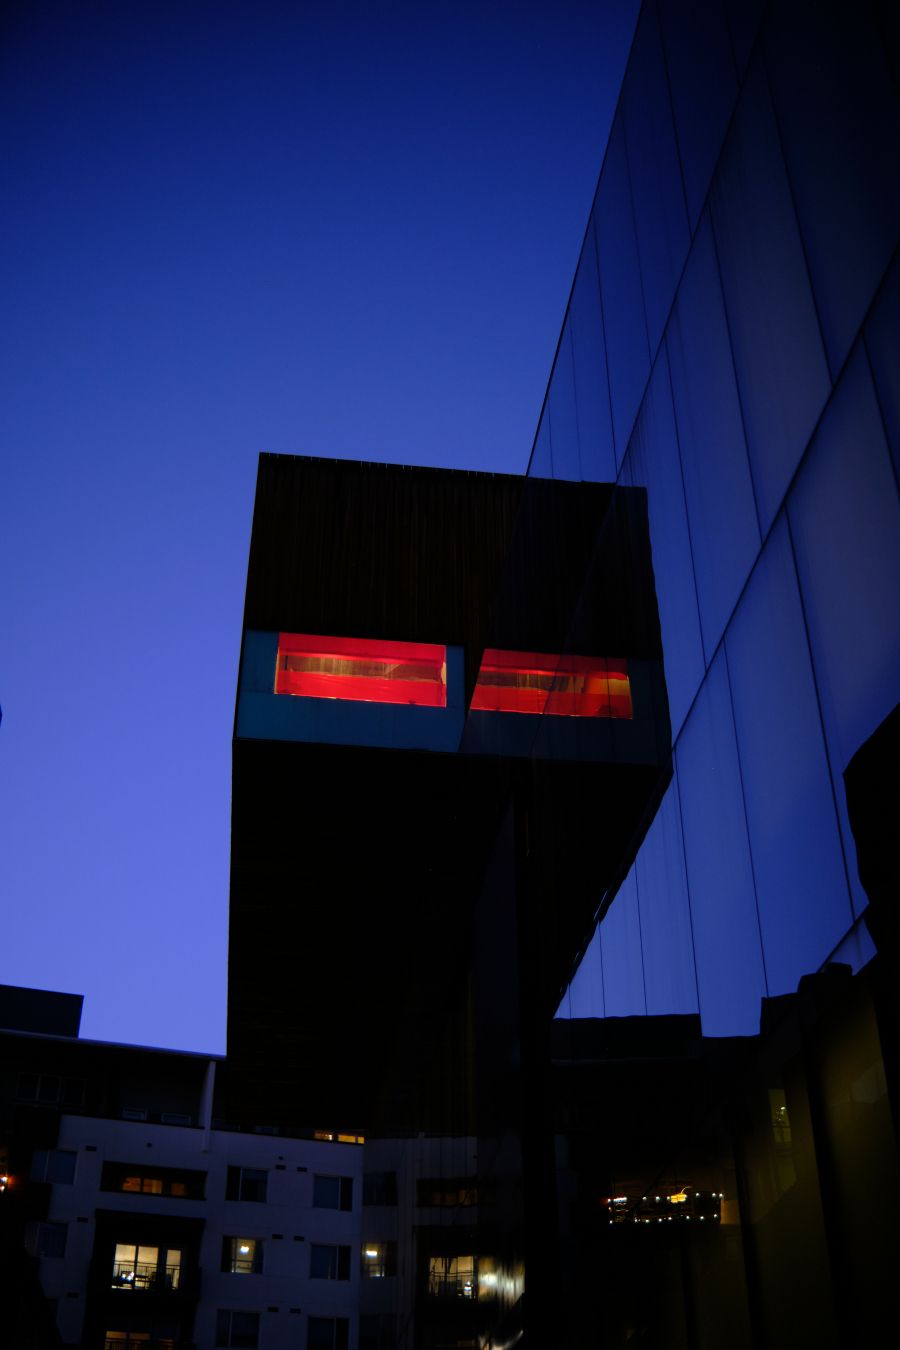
730, 345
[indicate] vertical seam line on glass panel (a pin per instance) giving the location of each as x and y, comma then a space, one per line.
687, 526
822, 726
637, 254
788, 491
612, 426
737, 753
790, 184
678, 156
692, 230
590, 223
571, 327
637, 897
734, 374
687, 881
884, 426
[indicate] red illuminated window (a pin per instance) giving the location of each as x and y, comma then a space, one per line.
564, 686
362, 669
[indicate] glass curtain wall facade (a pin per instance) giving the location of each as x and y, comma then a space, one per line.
731, 346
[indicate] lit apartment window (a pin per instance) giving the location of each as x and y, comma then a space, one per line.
362, 669
447, 1192
562, 686
242, 1256
237, 1330
246, 1183
379, 1259
138, 1340
135, 1179
453, 1276
327, 1262
327, 1333
140, 1269
56, 1165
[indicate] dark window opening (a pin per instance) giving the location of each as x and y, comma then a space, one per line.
237, 1330
327, 1262
332, 1192
246, 1183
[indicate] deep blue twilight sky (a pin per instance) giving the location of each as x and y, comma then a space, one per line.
340, 229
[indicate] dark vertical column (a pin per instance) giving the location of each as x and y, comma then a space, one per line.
543, 1311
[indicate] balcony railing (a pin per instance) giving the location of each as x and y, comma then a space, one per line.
127, 1343
145, 1277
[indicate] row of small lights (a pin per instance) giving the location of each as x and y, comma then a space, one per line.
677, 1198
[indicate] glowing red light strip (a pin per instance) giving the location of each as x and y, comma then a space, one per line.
580, 686
366, 670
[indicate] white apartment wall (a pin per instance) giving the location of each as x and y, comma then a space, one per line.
287, 1223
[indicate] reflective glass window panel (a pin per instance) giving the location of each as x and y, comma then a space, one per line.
561, 686
778, 354
620, 946
627, 349
327, 1333
670, 979
362, 669
883, 347
704, 86
332, 1192
845, 524
660, 214
798, 863
246, 1183
563, 419
237, 1330
730, 972
598, 462
840, 124
329, 1262
654, 463
720, 505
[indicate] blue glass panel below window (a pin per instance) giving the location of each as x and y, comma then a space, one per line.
627, 349
840, 122
781, 369
720, 503
730, 971
654, 463
620, 945
670, 977
563, 420
598, 461
704, 87
801, 881
883, 347
845, 522
660, 214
